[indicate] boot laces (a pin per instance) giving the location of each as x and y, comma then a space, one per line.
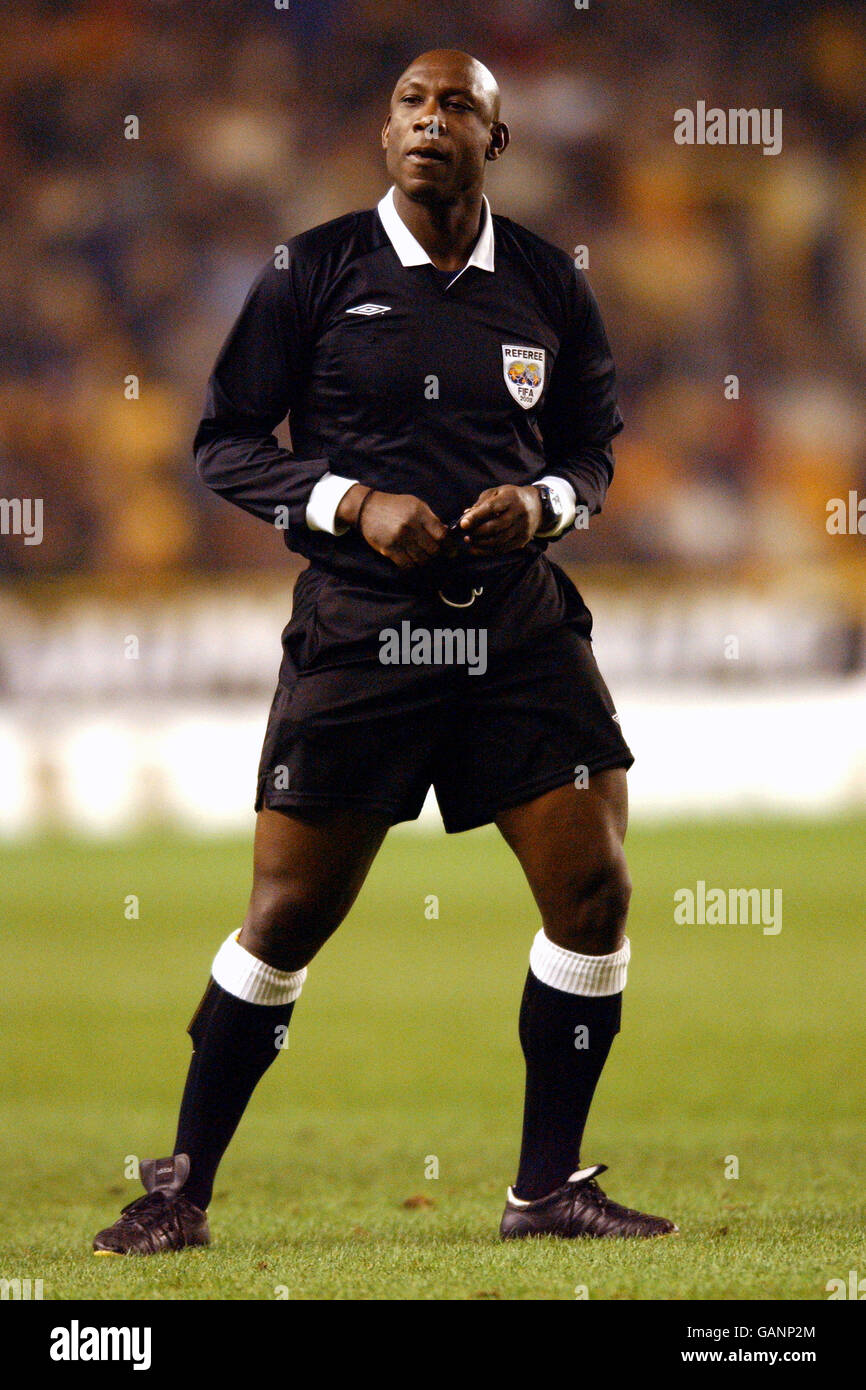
154, 1214
590, 1188
151, 1202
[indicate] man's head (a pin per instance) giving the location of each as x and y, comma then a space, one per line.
445, 109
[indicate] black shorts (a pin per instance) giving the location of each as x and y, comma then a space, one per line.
385, 693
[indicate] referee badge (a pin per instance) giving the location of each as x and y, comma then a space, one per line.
523, 368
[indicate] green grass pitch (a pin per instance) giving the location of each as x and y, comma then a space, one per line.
404, 1049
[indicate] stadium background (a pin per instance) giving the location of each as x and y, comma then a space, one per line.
143, 631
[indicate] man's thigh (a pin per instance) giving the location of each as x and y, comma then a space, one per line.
308, 868
569, 824
569, 842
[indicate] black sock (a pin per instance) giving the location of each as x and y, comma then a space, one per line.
560, 1079
234, 1043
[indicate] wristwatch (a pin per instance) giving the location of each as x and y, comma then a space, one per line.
551, 509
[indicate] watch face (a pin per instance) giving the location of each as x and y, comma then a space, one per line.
551, 508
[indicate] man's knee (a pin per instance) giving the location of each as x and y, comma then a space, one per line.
586, 906
288, 919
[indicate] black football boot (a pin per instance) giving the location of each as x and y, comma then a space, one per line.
161, 1220
578, 1208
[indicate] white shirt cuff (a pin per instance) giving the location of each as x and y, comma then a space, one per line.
562, 489
322, 504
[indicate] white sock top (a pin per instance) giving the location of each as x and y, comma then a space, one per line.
239, 972
577, 974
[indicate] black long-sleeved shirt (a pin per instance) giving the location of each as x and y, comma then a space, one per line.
396, 377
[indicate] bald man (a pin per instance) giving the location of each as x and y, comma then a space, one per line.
452, 402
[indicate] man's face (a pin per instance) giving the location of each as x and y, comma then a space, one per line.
441, 130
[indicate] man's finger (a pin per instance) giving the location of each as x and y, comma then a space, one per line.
483, 511
434, 527
495, 525
483, 502
488, 495
506, 538
425, 541
432, 536
401, 557
413, 548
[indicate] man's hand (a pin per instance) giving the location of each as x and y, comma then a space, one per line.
397, 525
503, 518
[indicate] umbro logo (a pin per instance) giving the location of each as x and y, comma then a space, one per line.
370, 309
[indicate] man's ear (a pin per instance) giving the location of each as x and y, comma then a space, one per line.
500, 137
385, 129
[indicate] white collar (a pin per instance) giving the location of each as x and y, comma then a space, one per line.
411, 252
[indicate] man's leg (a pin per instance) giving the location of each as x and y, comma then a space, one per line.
308, 869
570, 845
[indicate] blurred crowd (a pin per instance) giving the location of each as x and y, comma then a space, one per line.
129, 258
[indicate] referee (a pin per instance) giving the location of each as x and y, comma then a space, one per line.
452, 402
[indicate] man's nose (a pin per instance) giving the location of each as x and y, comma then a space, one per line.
427, 116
